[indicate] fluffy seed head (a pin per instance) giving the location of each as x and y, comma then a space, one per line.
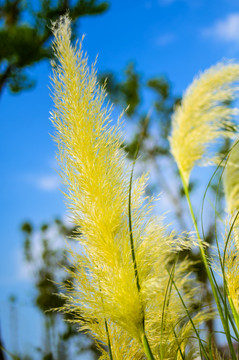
231, 180
232, 271
95, 171
204, 116
231, 188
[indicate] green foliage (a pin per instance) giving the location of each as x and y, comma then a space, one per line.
26, 42
48, 269
125, 92
131, 92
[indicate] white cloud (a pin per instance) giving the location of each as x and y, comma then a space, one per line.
48, 182
224, 30
165, 39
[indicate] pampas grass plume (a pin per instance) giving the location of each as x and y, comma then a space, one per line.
104, 296
204, 116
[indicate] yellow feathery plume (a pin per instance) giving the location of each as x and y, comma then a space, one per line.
105, 298
231, 271
169, 329
232, 276
231, 188
204, 115
231, 180
94, 170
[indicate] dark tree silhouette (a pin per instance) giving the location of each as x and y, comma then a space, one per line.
25, 34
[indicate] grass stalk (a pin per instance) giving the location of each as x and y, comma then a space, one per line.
131, 230
208, 270
106, 326
190, 318
179, 348
146, 346
144, 339
108, 340
165, 305
225, 287
222, 261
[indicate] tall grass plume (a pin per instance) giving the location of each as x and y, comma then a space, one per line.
204, 116
127, 321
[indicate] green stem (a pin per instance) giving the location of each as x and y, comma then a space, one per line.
234, 312
179, 348
144, 339
106, 324
190, 318
208, 269
131, 230
166, 305
147, 349
108, 339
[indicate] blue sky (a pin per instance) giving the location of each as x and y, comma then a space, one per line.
177, 38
